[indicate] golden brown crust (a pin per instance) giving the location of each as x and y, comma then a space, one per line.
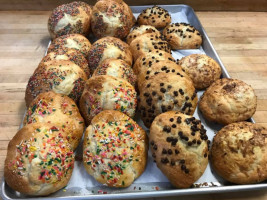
227, 101
70, 18
39, 160
122, 158
182, 36
109, 47
107, 93
50, 107
239, 153
166, 92
60, 76
202, 69
154, 16
179, 145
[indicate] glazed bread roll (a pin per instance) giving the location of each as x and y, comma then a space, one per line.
71, 41
39, 160
107, 93
60, 76
50, 107
70, 18
227, 101
239, 153
122, 157
179, 145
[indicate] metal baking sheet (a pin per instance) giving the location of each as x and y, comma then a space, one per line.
152, 183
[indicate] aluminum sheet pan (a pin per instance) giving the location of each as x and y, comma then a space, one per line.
152, 183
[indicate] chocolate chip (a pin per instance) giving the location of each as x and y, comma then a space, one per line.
175, 93
163, 90
169, 151
152, 143
164, 151
172, 163
186, 171
176, 151
155, 147
179, 120
161, 84
174, 126
183, 167
205, 155
160, 98
154, 93
175, 102
189, 143
198, 142
164, 160
171, 119
182, 161
181, 91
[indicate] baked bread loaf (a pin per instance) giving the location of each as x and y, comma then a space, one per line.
71, 41
146, 43
50, 107
227, 101
70, 18
202, 69
117, 68
69, 54
139, 30
166, 92
239, 153
114, 149
148, 59
107, 93
179, 145
154, 16
111, 18
182, 36
60, 76
109, 47
39, 160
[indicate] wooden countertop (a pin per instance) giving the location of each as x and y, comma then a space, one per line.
240, 39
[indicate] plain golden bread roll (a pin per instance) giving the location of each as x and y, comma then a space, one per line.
182, 36
69, 54
227, 101
179, 145
50, 107
60, 76
39, 160
154, 16
107, 93
74, 17
117, 68
114, 149
239, 153
109, 47
111, 18
146, 43
163, 66
71, 41
165, 92
139, 30
145, 61
202, 69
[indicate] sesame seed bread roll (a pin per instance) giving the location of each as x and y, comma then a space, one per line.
122, 157
39, 160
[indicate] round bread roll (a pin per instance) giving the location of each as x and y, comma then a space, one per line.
147, 60
202, 69
147, 42
69, 54
154, 16
239, 153
182, 36
39, 160
114, 149
70, 18
139, 30
166, 92
109, 47
71, 41
163, 66
60, 76
117, 68
107, 93
111, 18
179, 145
50, 107
227, 101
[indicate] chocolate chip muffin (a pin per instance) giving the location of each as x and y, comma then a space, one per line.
227, 101
179, 145
165, 92
182, 36
154, 16
239, 153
